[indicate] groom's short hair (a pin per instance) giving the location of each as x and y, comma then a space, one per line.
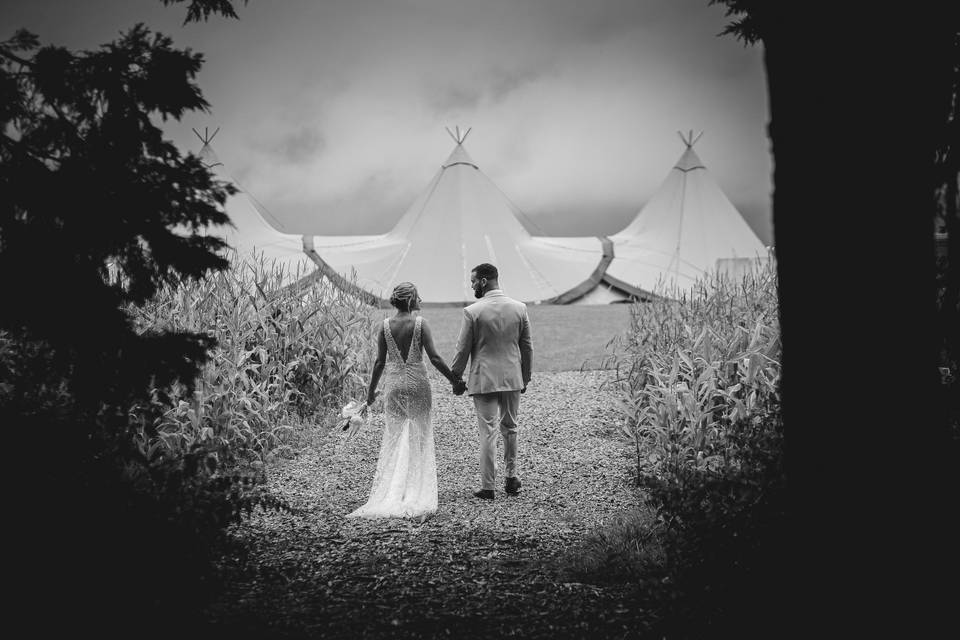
486, 270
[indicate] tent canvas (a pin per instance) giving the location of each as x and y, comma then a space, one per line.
459, 221
252, 238
681, 233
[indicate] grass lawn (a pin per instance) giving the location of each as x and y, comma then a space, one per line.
565, 337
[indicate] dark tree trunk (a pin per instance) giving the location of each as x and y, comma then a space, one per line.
853, 123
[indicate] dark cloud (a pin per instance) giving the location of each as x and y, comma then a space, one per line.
299, 146
487, 88
598, 21
502, 82
454, 98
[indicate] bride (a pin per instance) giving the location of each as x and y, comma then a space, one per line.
405, 483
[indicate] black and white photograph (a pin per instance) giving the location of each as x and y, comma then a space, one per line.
423, 319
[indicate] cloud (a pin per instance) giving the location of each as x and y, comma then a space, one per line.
298, 147
483, 87
334, 114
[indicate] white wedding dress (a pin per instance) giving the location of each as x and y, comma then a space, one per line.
405, 483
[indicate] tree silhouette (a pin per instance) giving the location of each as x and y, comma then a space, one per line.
97, 212
90, 185
858, 99
202, 9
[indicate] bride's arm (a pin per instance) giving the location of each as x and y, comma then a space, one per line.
377, 367
426, 337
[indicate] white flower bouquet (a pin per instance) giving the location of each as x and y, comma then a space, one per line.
352, 418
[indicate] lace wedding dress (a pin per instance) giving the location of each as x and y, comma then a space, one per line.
405, 483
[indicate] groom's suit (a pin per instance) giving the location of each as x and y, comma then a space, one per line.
495, 337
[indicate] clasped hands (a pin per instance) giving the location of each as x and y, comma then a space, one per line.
459, 387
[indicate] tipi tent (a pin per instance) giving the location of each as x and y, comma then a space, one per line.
252, 238
687, 228
460, 220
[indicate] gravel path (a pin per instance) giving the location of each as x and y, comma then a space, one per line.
476, 569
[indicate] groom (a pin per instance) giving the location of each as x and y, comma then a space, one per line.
495, 336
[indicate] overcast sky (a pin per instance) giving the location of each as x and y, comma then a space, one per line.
332, 113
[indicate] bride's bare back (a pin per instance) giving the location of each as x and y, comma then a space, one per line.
401, 326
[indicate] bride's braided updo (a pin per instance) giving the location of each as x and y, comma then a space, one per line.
404, 295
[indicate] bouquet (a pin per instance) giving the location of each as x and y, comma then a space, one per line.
352, 418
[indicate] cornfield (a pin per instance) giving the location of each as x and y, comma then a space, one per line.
691, 369
286, 355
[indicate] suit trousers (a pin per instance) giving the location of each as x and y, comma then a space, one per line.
497, 411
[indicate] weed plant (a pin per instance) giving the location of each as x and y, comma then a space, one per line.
692, 366
289, 351
699, 379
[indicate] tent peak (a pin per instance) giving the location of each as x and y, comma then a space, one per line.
207, 137
689, 140
459, 154
206, 149
458, 137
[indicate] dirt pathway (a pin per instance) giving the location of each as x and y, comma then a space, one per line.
476, 569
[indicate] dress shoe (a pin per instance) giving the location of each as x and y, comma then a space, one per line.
512, 486
484, 494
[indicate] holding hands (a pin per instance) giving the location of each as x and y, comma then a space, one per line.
459, 387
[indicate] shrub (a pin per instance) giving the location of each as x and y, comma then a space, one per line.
118, 532
157, 484
723, 534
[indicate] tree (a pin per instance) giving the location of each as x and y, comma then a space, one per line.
90, 182
857, 98
98, 210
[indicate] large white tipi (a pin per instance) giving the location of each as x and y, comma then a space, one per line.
459, 221
686, 229
252, 238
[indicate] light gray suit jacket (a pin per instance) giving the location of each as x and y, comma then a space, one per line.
495, 336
